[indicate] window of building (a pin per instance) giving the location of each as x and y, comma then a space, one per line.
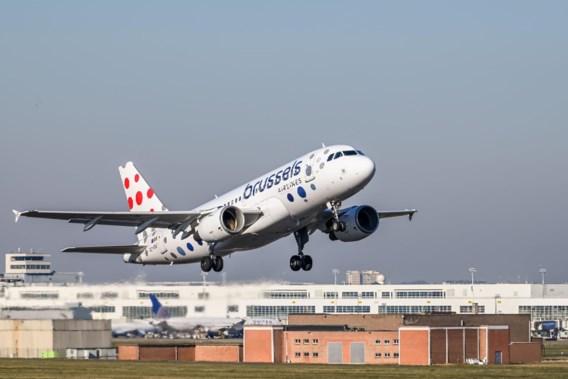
395, 342
469, 309
199, 309
378, 355
387, 355
103, 309
315, 354
298, 354
27, 258
85, 295
396, 355
278, 311
377, 342
330, 295
306, 341
350, 295
386, 295
387, 342
315, 341
203, 295
545, 312
39, 295
138, 312
367, 295
424, 294
232, 308
414, 309
286, 295
159, 295
306, 354
297, 341
109, 295
353, 309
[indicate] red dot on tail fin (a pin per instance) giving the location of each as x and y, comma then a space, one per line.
126, 183
138, 197
150, 193
136, 178
130, 203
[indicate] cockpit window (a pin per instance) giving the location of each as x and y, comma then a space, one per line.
338, 155
330, 157
349, 152
360, 152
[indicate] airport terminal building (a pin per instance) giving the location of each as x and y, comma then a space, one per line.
38, 286
127, 301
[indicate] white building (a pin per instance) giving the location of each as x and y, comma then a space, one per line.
121, 301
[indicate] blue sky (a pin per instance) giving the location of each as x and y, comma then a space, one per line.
461, 105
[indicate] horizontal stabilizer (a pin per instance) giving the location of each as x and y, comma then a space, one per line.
127, 249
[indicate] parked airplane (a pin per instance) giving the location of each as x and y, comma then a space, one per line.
163, 320
299, 198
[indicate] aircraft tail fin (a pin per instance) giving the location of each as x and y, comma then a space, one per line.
139, 194
159, 312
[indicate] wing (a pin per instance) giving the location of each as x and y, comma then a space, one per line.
405, 212
177, 221
320, 221
128, 249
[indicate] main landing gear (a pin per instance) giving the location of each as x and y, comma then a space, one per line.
301, 261
212, 261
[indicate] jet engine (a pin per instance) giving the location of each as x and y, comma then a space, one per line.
220, 224
360, 222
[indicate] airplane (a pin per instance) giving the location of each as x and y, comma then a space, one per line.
299, 198
215, 325
162, 322
137, 328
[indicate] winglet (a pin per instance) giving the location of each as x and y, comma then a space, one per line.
411, 214
17, 214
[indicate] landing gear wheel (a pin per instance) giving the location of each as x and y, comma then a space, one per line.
338, 226
218, 264
295, 263
206, 264
307, 263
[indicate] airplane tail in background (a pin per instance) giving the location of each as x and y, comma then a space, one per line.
159, 312
139, 194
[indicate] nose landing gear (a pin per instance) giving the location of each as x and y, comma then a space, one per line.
336, 225
301, 261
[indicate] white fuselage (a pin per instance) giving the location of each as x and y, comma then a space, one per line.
290, 197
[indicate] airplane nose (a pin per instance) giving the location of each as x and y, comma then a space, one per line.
367, 168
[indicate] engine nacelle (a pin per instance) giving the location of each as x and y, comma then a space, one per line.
220, 224
131, 258
360, 222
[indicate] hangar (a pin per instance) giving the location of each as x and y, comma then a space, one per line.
391, 339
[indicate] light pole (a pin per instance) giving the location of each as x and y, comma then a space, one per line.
497, 297
542, 272
335, 272
472, 270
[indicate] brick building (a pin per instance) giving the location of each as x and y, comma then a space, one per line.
391, 339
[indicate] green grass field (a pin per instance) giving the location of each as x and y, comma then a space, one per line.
31, 368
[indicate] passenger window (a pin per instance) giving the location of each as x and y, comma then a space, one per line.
349, 152
338, 155
330, 157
